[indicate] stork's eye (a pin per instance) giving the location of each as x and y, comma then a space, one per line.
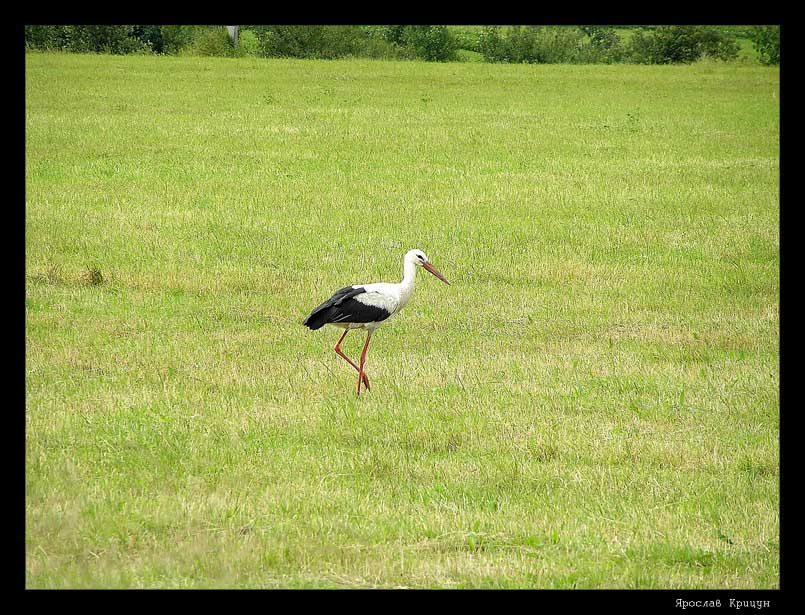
420, 257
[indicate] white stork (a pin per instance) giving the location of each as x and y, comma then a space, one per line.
367, 306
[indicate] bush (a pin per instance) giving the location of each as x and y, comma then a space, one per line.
326, 42
45, 38
187, 39
491, 44
391, 34
212, 41
248, 41
717, 43
559, 45
293, 41
290, 41
529, 44
176, 38
766, 40
536, 44
603, 45
431, 43
382, 49
515, 44
466, 37
150, 36
681, 44
85, 39
522, 44
206, 41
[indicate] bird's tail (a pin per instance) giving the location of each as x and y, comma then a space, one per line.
316, 320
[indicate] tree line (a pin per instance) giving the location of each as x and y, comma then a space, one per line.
665, 44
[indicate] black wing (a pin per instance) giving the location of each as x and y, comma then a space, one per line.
342, 307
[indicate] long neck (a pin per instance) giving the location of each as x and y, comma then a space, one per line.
409, 276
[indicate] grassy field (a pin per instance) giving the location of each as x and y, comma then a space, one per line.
593, 403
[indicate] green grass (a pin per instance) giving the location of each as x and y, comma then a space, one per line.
593, 403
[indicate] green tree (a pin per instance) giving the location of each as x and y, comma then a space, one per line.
118, 39
681, 44
175, 38
604, 44
432, 43
766, 40
492, 45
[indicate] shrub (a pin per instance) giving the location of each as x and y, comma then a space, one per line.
466, 37
212, 41
379, 48
45, 37
681, 44
766, 40
522, 44
150, 36
176, 38
248, 41
514, 44
85, 39
293, 41
390, 34
717, 43
558, 44
603, 46
534, 44
491, 44
431, 43
664, 45
326, 42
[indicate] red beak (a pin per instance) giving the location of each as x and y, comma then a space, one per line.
435, 272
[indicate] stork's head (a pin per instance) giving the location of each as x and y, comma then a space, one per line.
420, 260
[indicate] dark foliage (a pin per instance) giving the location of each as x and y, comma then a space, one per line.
432, 43
550, 44
681, 44
324, 42
526, 44
150, 36
766, 40
86, 39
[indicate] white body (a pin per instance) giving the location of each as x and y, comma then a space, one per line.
390, 297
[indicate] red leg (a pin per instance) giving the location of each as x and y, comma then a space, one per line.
363, 359
348, 360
